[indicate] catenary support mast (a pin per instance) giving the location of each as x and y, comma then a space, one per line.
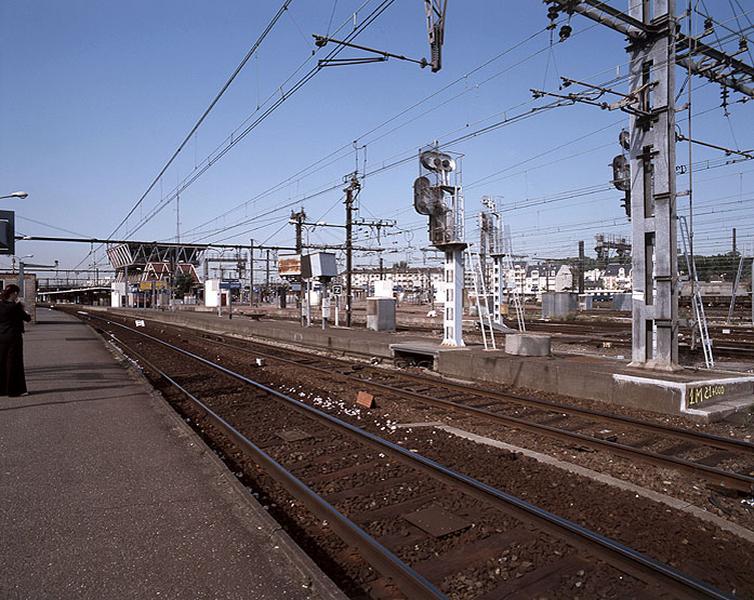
653, 193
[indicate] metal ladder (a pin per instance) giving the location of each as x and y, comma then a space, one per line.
696, 300
735, 288
509, 268
483, 309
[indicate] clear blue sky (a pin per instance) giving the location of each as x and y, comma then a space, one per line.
95, 96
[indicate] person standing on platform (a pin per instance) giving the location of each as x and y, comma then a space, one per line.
12, 317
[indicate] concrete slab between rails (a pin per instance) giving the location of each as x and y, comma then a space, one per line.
584, 377
710, 398
609, 380
422, 350
106, 493
528, 344
670, 501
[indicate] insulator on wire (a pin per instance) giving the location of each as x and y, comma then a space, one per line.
708, 25
743, 44
565, 32
552, 14
724, 99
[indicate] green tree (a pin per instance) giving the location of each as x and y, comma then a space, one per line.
183, 284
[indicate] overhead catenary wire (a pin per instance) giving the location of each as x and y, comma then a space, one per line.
255, 46
198, 172
462, 78
362, 136
412, 158
392, 118
284, 95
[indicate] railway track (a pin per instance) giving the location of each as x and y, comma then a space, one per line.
574, 425
637, 440
416, 522
737, 344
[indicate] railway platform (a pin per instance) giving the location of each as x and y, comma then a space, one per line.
697, 394
106, 493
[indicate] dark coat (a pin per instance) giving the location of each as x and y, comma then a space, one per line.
12, 317
12, 377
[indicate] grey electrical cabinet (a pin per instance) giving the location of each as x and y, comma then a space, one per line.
319, 265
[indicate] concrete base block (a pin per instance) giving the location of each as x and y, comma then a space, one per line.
623, 302
527, 344
381, 314
704, 399
559, 305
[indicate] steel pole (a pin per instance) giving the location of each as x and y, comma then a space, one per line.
21, 285
349, 252
251, 272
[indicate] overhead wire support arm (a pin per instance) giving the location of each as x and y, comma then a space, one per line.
592, 98
708, 71
321, 41
695, 46
728, 151
611, 17
568, 81
345, 62
685, 46
622, 17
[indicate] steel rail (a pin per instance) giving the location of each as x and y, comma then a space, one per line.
382, 559
630, 560
727, 479
708, 439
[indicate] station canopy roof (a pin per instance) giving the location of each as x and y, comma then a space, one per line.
140, 254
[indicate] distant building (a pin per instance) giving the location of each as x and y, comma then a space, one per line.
516, 277
403, 277
617, 278
532, 280
593, 276
564, 279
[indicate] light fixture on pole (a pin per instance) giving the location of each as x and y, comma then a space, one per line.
21, 195
22, 265
20, 270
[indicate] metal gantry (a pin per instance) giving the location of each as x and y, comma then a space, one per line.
655, 46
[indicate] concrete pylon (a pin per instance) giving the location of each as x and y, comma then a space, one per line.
653, 190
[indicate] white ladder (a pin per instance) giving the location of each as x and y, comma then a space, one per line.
510, 268
483, 310
696, 300
735, 288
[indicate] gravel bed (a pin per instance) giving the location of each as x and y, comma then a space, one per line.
669, 536
257, 415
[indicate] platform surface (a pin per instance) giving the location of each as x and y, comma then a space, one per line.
106, 493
